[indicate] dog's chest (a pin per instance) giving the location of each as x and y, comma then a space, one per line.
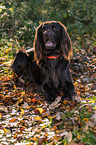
55, 79
54, 73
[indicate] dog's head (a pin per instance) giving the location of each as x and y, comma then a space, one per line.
52, 39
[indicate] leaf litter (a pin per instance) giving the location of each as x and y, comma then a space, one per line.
26, 118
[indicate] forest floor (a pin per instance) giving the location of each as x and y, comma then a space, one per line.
25, 116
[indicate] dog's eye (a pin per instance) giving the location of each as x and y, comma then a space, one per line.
53, 27
43, 28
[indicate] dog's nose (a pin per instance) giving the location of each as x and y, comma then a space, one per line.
47, 33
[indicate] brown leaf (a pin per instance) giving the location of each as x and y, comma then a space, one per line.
13, 120
73, 143
26, 99
59, 123
22, 129
36, 111
54, 128
42, 140
45, 114
34, 100
15, 136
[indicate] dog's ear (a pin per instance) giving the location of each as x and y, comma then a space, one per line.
65, 43
38, 44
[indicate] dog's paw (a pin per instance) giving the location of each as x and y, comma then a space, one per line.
51, 97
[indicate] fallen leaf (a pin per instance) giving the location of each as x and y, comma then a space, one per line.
13, 119
44, 126
55, 104
54, 128
22, 111
67, 134
36, 111
15, 136
19, 101
0, 115
58, 115
38, 118
79, 137
34, 139
8, 63
25, 105
40, 110
56, 138
3, 109
6, 130
26, 99
45, 114
34, 100
78, 38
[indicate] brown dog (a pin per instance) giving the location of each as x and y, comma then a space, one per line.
22, 65
50, 69
26, 68
52, 53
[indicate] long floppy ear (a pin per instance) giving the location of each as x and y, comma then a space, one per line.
38, 44
65, 43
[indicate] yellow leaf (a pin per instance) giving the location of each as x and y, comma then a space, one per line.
0, 10
56, 137
7, 96
22, 111
6, 130
86, 120
88, 42
43, 127
95, 108
19, 101
7, 50
75, 83
78, 136
78, 38
11, 9
38, 118
65, 16
0, 115
40, 22
14, 86
34, 139
40, 110
22, 93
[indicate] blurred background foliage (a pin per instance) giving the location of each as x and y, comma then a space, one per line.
19, 18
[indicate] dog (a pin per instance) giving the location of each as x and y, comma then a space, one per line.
52, 53
50, 66
22, 65
26, 67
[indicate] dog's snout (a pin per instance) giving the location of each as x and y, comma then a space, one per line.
47, 33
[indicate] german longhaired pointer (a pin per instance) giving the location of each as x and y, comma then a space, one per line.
52, 51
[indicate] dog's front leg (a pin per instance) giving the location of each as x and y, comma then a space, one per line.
68, 88
69, 91
49, 92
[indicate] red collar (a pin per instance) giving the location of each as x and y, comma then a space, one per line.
52, 57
